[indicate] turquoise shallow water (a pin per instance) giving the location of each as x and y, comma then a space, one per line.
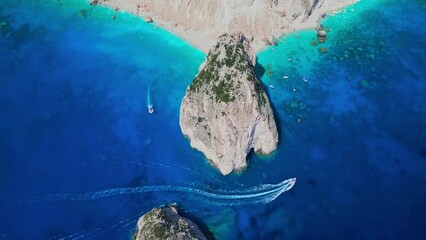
73, 119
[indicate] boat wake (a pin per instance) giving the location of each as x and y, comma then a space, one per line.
264, 193
149, 103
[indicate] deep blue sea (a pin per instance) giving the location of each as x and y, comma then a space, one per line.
81, 157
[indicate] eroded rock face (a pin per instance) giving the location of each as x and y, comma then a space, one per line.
166, 224
261, 20
225, 112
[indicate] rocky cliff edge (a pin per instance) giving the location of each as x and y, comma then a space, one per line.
225, 112
166, 224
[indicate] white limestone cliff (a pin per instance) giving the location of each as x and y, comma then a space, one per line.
201, 22
225, 112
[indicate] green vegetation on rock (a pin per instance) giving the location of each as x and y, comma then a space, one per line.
223, 92
165, 223
230, 65
200, 119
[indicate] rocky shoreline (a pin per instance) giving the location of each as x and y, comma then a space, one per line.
200, 23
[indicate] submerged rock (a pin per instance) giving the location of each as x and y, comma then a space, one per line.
225, 112
2, 24
364, 83
296, 109
4, 27
322, 50
165, 223
85, 12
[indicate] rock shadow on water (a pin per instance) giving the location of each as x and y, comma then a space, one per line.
203, 228
260, 72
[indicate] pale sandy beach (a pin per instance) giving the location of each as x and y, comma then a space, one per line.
201, 22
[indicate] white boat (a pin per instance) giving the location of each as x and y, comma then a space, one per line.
285, 77
150, 109
271, 86
149, 101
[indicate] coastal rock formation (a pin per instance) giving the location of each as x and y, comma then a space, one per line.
321, 34
166, 224
148, 19
201, 22
225, 112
